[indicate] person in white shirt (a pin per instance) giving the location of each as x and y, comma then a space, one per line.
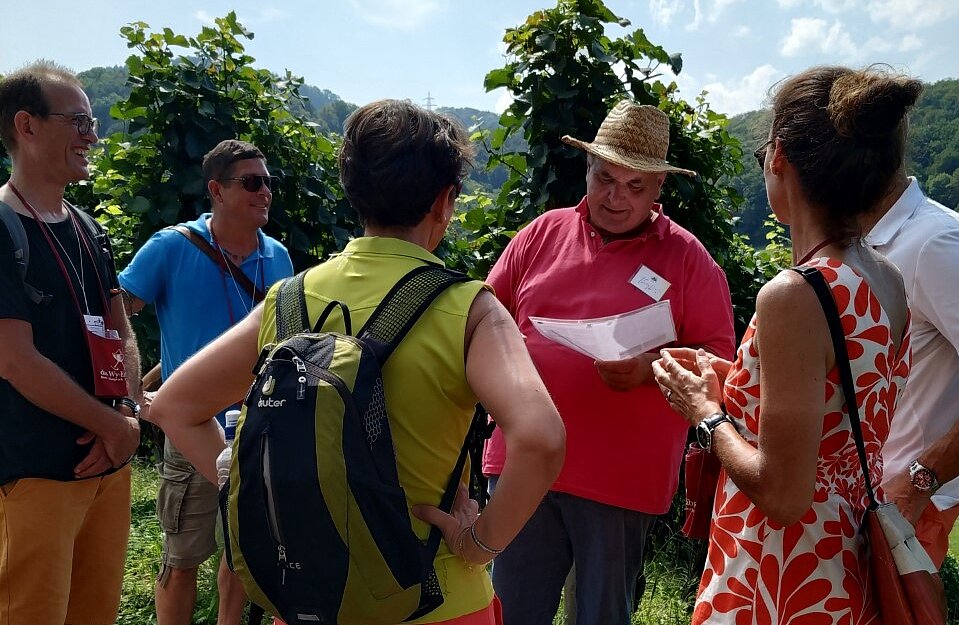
921, 237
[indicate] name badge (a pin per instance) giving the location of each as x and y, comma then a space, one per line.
650, 283
95, 324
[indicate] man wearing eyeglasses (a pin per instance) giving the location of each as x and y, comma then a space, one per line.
199, 294
64, 483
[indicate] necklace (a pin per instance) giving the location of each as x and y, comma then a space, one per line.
229, 270
822, 244
78, 274
236, 287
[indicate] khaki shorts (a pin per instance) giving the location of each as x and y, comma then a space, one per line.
62, 549
187, 509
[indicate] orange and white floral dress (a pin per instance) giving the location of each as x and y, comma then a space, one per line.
759, 572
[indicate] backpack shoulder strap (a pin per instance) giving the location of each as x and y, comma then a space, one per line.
290, 308
21, 247
89, 224
403, 305
21, 251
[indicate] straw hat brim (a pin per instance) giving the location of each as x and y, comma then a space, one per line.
636, 162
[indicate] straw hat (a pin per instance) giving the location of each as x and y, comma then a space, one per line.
632, 136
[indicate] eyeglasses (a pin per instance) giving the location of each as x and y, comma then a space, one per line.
253, 182
84, 122
760, 153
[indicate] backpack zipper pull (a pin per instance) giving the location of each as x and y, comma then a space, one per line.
301, 368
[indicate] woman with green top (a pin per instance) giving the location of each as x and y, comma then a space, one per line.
401, 168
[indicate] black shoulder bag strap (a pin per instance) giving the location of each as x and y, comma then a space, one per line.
819, 285
225, 264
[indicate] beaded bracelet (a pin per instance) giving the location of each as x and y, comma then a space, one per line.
480, 543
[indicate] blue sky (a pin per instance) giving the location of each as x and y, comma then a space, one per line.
369, 49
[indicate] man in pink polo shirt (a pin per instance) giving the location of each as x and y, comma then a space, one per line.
614, 252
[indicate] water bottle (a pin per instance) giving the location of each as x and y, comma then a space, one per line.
226, 456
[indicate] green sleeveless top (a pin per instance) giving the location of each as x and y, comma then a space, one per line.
429, 402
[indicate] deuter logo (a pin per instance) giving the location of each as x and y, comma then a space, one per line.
269, 402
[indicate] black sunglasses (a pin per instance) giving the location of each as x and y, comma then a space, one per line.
84, 122
253, 182
760, 153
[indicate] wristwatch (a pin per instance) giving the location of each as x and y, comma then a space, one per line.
129, 403
704, 431
923, 478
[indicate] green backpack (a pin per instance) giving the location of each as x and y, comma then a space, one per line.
318, 525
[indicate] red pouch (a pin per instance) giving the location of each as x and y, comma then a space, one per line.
701, 477
106, 357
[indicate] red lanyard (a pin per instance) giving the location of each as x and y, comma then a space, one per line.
81, 236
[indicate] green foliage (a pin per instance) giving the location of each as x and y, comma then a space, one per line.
932, 155
564, 74
105, 86
181, 105
949, 573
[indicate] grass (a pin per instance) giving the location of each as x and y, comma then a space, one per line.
670, 585
144, 554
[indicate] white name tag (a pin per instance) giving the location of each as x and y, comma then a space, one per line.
650, 283
94, 324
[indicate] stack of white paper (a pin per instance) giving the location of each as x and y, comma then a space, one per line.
616, 337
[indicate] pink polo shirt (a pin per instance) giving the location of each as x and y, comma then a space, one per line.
622, 449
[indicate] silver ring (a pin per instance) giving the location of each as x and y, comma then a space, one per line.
668, 394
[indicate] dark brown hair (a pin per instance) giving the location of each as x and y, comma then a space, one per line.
217, 162
844, 131
395, 159
22, 90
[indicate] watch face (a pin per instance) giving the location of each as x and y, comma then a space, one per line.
922, 478
704, 436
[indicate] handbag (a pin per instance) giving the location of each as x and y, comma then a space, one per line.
904, 578
701, 475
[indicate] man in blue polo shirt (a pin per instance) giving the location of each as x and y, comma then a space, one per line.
197, 299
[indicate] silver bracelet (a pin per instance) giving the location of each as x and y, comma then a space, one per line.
480, 543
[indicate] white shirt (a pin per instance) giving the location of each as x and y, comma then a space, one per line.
921, 237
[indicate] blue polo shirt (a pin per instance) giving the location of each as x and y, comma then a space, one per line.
195, 300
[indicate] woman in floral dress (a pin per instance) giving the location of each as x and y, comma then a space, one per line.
784, 544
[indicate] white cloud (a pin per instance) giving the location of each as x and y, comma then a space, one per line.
745, 94
910, 42
204, 17
272, 14
710, 14
502, 102
663, 11
912, 14
396, 14
829, 6
697, 16
836, 6
742, 31
808, 34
